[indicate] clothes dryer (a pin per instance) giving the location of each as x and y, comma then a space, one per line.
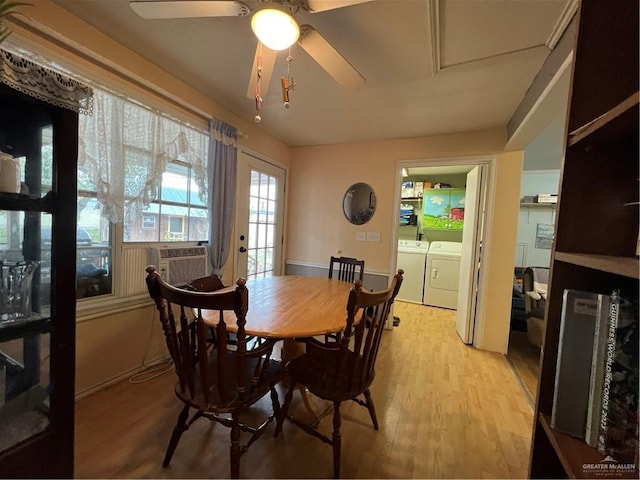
412, 255
442, 274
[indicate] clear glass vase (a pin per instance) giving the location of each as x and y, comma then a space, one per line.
15, 290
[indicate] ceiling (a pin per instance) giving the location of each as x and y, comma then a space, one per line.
431, 67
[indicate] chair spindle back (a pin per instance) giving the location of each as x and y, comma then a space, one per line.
191, 352
354, 367
348, 267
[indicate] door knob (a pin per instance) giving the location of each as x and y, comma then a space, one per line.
242, 249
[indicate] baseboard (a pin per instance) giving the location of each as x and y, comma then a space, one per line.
118, 378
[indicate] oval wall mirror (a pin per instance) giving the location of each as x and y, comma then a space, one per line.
359, 203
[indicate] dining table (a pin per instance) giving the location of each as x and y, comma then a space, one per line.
290, 307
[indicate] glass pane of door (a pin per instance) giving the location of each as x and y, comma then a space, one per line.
263, 193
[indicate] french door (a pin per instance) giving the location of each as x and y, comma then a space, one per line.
259, 217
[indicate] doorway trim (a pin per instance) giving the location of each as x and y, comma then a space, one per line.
488, 183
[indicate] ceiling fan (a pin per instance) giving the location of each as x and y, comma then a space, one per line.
264, 60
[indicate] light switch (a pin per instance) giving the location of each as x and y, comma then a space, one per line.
361, 236
373, 236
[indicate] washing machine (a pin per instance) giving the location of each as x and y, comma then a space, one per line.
442, 274
412, 255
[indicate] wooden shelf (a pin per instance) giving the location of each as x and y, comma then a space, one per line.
618, 123
10, 331
537, 205
32, 203
411, 199
575, 455
625, 266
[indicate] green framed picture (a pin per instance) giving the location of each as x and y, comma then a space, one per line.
443, 208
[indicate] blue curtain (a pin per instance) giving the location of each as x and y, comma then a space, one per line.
221, 174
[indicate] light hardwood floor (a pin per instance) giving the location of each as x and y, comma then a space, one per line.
445, 410
525, 359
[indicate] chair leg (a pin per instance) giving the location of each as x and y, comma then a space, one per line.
235, 452
275, 402
285, 407
337, 439
178, 430
371, 408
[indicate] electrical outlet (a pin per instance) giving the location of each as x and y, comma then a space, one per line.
361, 236
373, 236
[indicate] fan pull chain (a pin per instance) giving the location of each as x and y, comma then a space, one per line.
257, 118
287, 82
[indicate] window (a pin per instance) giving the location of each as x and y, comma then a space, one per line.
93, 247
180, 211
141, 178
149, 221
176, 228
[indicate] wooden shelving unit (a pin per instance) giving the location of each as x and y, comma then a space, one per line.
625, 266
597, 219
574, 453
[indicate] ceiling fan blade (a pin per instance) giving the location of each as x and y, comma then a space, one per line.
164, 9
329, 58
315, 6
268, 62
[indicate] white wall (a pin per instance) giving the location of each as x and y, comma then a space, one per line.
533, 183
546, 151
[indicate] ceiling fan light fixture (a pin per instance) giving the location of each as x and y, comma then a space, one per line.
276, 29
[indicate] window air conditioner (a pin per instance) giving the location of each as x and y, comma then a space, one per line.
179, 265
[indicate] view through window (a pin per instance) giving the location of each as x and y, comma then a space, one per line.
179, 213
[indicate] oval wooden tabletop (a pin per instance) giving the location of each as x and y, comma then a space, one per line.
291, 306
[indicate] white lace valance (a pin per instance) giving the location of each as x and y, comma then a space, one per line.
44, 84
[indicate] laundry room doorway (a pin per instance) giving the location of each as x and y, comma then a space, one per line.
433, 195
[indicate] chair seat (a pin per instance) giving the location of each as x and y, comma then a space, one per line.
231, 401
329, 382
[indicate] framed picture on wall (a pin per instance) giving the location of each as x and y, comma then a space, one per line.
443, 208
544, 235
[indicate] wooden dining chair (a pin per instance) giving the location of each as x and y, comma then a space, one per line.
217, 381
347, 268
209, 283
343, 370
